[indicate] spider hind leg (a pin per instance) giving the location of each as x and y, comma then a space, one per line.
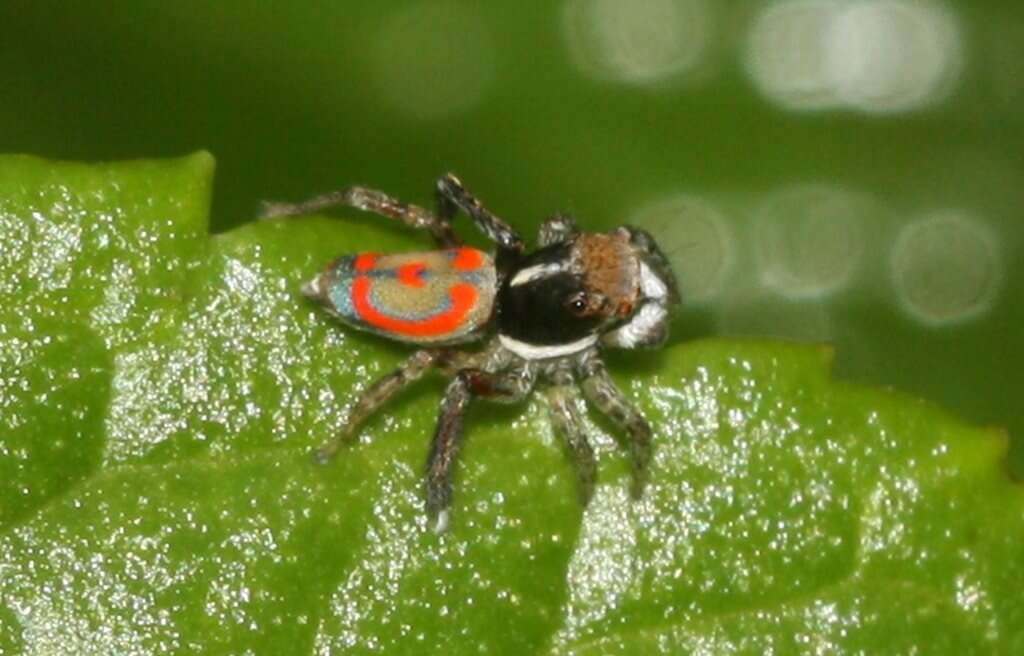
378, 202
375, 396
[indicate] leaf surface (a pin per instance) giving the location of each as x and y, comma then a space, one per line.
161, 390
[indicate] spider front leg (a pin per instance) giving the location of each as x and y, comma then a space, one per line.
563, 403
371, 200
412, 369
600, 390
505, 386
557, 229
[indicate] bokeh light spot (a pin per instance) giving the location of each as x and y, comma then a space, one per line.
694, 237
434, 59
867, 55
638, 42
893, 55
945, 268
809, 240
787, 52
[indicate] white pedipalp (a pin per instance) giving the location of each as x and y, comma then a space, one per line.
640, 326
651, 284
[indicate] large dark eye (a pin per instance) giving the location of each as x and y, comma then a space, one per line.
577, 303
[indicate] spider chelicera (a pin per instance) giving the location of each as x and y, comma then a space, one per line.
543, 316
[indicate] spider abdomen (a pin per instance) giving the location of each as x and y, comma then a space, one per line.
434, 297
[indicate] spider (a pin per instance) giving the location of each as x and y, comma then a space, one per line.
544, 316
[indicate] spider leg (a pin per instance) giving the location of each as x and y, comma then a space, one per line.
374, 201
557, 229
453, 196
601, 391
505, 386
375, 396
563, 403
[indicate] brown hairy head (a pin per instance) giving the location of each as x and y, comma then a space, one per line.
609, 268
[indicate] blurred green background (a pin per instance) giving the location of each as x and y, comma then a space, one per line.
841, 171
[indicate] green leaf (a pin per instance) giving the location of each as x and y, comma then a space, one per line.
160, 392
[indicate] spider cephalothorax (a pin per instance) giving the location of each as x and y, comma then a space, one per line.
542, 315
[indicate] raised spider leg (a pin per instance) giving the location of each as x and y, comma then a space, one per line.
452, 195
557, 229
601, 391
375, 396
505, 386
374, 201
563, 403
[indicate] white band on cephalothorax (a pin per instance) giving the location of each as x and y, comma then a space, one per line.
535, 272
542, 352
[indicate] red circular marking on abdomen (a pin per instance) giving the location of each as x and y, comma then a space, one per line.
365, 261
463, 297
411, 274
467, 259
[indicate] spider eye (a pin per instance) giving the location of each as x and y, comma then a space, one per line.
577, 303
